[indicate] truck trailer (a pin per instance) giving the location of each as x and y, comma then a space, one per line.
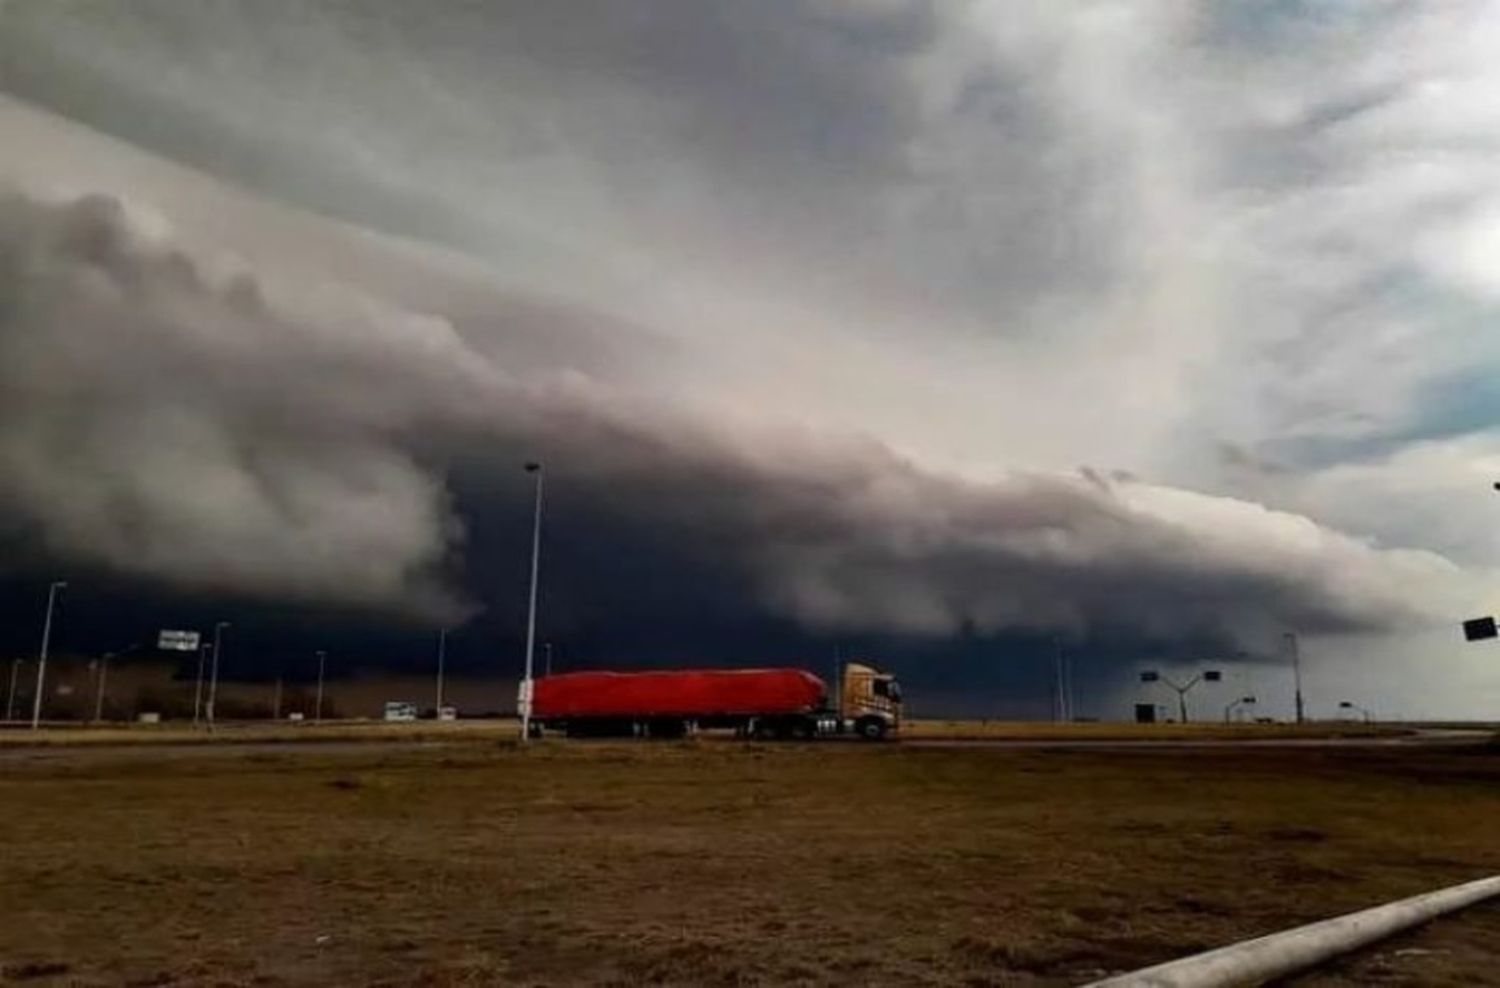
759, 703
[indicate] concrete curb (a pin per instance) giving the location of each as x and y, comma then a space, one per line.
1279, 954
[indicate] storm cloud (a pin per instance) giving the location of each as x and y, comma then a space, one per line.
1132, 321
186, 421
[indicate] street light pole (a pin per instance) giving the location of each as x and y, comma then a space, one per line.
536, 550
198, 685
1230, 707
1060, 703
547, 661
1291, 640
318, 707
10, 698
1345, 704
99, 687
437, 710
213, 681
41, 663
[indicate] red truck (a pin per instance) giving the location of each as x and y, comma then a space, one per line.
765, 703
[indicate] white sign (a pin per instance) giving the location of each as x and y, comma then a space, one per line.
177, 641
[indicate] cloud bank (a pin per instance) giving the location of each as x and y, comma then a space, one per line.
183, 419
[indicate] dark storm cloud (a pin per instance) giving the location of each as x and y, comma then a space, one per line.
186, 421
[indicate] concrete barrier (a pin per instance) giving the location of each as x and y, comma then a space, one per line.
1280, 954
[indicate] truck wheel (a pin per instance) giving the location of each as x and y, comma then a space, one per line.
871, 728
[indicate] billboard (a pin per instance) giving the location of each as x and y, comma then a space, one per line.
177, 641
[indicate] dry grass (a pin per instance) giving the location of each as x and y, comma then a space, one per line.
718, 864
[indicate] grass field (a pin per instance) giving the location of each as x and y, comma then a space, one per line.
722, 864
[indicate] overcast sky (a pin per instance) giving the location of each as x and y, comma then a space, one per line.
1123, 321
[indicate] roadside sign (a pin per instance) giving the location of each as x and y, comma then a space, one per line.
1478, 629
177, 641
1149, 677
1213, 676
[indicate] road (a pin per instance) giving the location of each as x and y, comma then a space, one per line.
229, 748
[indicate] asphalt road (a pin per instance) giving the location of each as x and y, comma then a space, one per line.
106, 752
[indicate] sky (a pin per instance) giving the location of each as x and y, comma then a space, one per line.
940, 332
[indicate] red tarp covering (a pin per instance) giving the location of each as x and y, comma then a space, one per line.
680, 693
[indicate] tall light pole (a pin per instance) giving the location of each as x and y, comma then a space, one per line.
1232, 706
536, 552
99, 687
547, 660
198, 684
102, 677
213, 680
1291, 643
1059, 689
10, 698
41, 662
437, 709
318, 707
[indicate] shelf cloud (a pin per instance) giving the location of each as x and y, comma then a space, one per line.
184, 420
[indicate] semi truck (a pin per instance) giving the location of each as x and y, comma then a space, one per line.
781, 703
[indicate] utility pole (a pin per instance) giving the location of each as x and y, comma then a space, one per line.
318, 707
41, 663
1291, 641
213, 683
10, 698
276, 700
547, 663
437, 710
536, 549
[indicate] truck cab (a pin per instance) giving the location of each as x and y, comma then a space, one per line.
869, 701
